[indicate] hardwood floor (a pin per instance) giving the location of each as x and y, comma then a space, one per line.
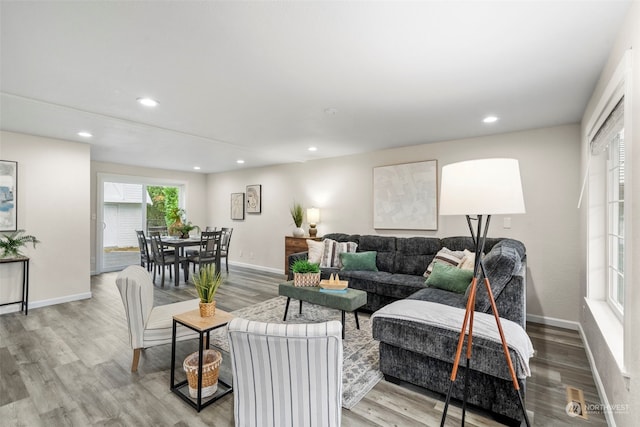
69, 365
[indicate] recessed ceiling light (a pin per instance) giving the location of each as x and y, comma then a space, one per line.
490, 119
85, 134
196, 168
313, 148
239, 161
148, 102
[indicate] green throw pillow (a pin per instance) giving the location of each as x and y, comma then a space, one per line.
362, 261
450, 278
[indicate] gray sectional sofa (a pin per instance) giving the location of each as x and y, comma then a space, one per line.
422, 354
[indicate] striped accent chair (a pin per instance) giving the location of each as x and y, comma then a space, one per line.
286, 374
148, 325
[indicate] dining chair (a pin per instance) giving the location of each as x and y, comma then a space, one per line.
162, 259
148, 325
192, 252
209, 252
146, 258
286, 375
225, 241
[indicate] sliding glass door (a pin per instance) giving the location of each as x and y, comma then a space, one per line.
128, 204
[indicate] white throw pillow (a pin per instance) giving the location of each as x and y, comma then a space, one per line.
469, 260
316, 250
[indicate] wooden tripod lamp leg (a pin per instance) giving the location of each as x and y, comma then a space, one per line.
468, 317
505, 348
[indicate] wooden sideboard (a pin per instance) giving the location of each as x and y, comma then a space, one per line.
293, 245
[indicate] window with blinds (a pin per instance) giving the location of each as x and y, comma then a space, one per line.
610, 140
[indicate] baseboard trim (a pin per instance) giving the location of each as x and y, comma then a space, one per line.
576, 326
44, 303
257, 267
611, 422
552, 321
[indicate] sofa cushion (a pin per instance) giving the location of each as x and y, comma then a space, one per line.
414, 254
342, 237
449, 278
359, 261
384, 246
396, 286
439, 295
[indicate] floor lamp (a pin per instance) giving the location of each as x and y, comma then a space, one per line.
479, 189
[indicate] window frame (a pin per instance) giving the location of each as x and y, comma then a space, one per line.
617, 332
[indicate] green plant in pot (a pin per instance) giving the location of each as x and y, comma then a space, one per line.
207, 281
305, 273
12, 243
297, 214
185, 228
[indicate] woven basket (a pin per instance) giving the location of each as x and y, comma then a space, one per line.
306, 279
207, 309
210, 371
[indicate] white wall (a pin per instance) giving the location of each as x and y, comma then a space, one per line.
53, 196
616, 389
195, 192
342, 189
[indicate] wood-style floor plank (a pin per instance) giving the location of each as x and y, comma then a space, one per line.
69, 365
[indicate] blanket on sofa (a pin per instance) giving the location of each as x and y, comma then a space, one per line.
451, 318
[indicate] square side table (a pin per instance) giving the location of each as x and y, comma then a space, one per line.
203, 326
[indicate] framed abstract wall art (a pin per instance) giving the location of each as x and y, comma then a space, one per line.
237, 206
8, 195
405, 196
254, 198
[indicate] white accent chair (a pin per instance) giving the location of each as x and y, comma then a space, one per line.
286, 374
148, 325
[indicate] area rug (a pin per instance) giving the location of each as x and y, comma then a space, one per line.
360, 371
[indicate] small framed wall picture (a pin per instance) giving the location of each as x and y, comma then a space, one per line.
254, 198
237, 206
8, 195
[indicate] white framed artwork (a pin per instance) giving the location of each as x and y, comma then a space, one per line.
405, 196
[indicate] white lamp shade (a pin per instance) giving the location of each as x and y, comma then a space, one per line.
313, 215
481, 187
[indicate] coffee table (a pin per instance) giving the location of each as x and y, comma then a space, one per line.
350, 301
203, 326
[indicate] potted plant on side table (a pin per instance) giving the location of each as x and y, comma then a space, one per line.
12, 243
207, 281
305, 273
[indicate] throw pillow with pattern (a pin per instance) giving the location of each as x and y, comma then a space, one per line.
445, 256
332, 251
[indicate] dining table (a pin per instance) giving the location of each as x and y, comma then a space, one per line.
179, 244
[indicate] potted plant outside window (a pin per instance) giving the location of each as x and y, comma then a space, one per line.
207, 281
305, 273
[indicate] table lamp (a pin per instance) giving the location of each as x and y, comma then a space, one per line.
477, 188
313, 218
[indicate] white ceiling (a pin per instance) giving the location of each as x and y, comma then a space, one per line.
252, 80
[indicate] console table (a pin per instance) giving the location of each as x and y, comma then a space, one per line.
24, 302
